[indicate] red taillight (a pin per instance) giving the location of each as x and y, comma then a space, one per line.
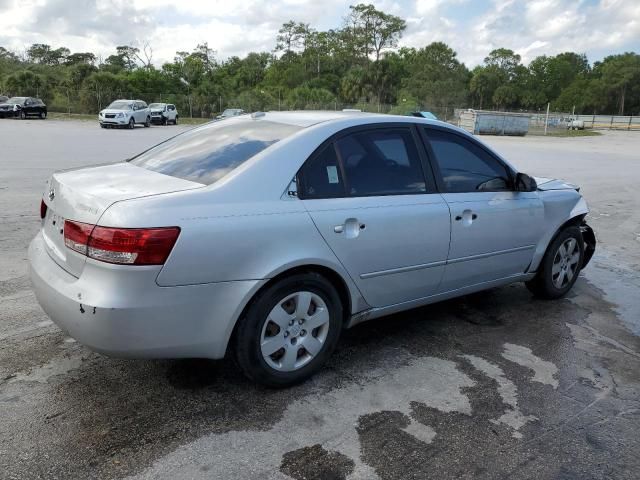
129, 246
43, 209
76, 235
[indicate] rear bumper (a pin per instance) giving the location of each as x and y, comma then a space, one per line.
122, 312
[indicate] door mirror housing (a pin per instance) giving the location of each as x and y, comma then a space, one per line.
525, 183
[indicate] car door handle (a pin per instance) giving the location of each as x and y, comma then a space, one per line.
340, 228
467, 216
351, 228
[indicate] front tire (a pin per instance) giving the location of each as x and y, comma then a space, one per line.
289, 330
132, 124
43, 115
560, 265
23, 115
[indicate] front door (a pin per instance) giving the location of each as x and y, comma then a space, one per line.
371, 202
494, 229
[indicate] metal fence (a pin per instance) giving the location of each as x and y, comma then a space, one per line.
207, 106
540, 123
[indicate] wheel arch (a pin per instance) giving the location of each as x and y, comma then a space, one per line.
336, 279
574, 221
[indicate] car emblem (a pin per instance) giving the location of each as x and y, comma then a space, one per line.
52, 194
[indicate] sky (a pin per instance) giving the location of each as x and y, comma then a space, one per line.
231, 27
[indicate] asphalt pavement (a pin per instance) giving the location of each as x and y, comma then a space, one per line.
493, 385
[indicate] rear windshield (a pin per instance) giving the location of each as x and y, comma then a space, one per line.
208, 153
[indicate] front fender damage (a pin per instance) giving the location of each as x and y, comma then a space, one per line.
589, 239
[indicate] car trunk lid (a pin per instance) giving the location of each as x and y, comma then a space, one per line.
84, 195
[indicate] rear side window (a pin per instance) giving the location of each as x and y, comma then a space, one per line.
466, 167
322, 176
208, 153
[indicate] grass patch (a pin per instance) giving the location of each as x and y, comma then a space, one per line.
569, 133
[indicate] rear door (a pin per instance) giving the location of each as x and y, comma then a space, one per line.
29, 105
171, 111
368, 195
141, 112
494, 228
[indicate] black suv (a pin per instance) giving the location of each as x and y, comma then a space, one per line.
23, 107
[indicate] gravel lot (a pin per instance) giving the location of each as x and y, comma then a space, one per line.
492, 385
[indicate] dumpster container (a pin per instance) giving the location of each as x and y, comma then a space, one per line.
485, 122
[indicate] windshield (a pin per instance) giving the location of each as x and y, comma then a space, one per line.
120, 105
157, 105
230, 112
16, 100
208, 153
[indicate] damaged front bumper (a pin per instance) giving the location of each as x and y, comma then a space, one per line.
589, 239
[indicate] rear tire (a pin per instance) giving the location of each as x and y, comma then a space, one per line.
147, 123
560, 265
175, 122
301, 316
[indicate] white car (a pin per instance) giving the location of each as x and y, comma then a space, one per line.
125, 113
163, 113
575, 124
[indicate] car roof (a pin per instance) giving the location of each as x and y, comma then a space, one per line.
308, 118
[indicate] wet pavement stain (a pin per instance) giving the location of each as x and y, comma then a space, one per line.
316, 463
193, 374
153, 419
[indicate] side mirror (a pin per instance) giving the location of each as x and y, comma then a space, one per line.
525, 183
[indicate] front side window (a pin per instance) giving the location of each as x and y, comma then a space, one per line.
208, 153
365, 163
465, 166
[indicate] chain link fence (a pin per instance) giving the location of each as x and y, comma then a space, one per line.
208, 106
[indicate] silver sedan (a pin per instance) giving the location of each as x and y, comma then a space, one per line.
265, 235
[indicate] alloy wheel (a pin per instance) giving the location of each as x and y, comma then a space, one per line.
565, 263
295, 331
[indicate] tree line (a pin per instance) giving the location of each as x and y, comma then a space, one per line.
358, 64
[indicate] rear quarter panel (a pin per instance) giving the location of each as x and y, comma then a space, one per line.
231, 241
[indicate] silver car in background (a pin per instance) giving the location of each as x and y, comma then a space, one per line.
230, 112
265, 235
163, 113
126, 114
